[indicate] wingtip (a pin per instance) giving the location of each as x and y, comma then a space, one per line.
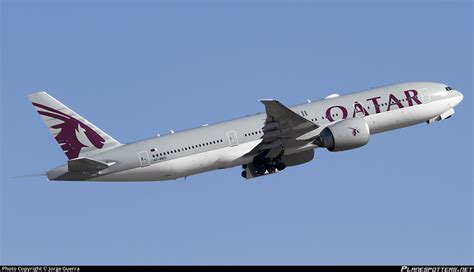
33, 95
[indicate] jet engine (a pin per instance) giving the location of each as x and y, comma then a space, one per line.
344, 135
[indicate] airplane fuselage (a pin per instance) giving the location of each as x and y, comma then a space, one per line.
227, 144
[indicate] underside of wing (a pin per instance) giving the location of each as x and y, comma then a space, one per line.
282, 127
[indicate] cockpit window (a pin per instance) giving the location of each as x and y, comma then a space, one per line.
448, 89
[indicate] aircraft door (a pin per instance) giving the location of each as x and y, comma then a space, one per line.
232, 137
144, 158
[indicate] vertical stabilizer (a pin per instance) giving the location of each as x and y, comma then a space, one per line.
76, 136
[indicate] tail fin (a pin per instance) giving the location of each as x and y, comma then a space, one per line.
76, 136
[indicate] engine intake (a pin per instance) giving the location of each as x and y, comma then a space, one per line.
344, 135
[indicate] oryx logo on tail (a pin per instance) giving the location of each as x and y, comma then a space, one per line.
72, 131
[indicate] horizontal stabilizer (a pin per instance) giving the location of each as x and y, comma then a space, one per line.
87, 165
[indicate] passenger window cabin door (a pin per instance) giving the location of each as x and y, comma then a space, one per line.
144, 158
232, 137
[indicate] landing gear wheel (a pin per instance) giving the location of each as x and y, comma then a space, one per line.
280, 166
244, 174
271, 169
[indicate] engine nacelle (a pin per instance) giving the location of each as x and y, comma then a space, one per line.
344, 135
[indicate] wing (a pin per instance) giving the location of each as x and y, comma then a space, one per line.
282, 127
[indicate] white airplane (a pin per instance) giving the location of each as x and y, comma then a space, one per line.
262, 144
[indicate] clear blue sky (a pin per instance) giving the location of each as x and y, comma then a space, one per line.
138, 69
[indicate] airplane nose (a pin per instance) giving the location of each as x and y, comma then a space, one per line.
459, 97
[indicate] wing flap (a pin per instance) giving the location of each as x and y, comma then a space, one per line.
282, 126
281, 118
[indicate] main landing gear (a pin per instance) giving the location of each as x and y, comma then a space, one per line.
261, 167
